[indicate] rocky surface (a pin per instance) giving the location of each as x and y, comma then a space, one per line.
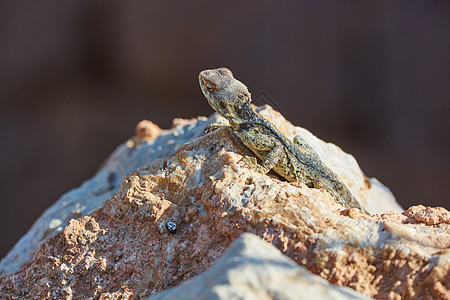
150, 143
253, 269
121, 247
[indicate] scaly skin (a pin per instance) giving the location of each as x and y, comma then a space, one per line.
294, 160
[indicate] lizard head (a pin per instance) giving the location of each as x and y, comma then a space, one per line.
224, 93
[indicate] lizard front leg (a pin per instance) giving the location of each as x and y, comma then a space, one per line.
265, 147
269, 161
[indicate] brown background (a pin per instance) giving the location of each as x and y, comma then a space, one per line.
76, 76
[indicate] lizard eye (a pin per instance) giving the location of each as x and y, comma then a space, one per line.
209, 87
222, 104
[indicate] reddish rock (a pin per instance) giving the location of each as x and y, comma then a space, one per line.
123, 249
136, 152
147, 130
436, 216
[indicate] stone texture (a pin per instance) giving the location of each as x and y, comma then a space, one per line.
147, 130
151, 143
129, 156
121, 248
253, 269
428, 215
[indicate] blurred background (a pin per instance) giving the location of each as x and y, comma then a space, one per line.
76, 77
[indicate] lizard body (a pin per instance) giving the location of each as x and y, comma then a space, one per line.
293, 160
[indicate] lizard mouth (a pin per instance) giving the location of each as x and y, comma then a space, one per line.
205, 91
202, 81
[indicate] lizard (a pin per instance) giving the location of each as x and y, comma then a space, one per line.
294, 160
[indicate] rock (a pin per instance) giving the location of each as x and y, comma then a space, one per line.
147, 130
150, 144
428, 215
254, 269
122, 247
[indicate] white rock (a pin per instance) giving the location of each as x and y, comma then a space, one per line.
254, 269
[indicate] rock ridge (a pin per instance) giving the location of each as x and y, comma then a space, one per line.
120, 248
